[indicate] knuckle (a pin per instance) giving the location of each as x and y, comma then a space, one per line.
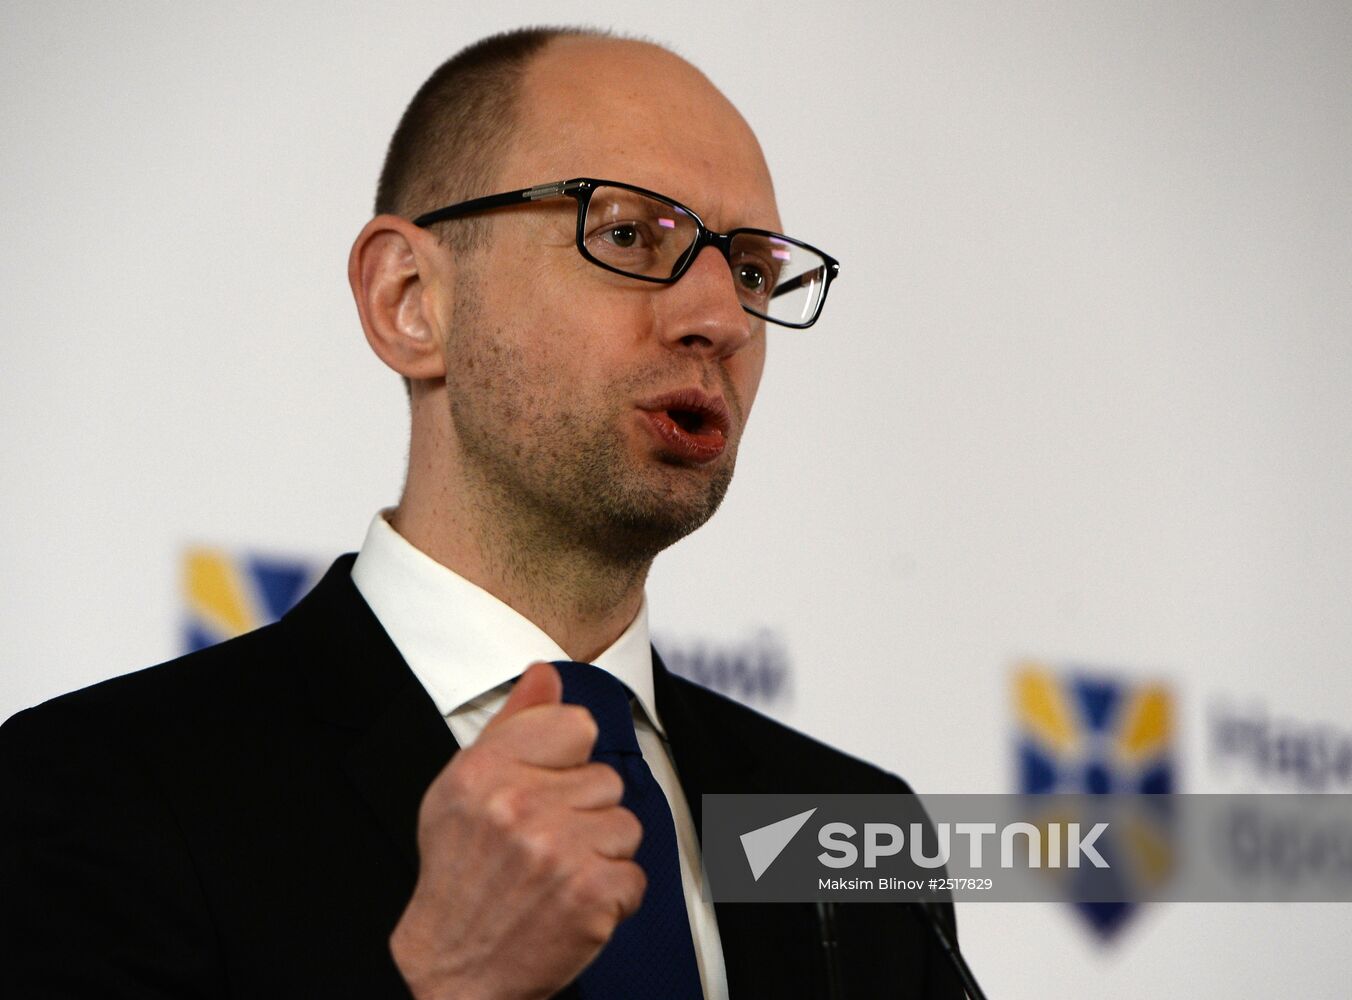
507, 807
541, 852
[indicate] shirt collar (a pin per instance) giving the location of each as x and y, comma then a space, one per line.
459, 640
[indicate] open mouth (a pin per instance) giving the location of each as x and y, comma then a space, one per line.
690, 421
690, 426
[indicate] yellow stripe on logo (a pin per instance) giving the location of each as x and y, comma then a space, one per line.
1042, 708
215, 593
1148, 725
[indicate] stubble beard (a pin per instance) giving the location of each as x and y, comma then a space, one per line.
563, 476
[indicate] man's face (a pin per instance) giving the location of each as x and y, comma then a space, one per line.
604, 410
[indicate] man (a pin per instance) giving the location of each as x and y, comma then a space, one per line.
277, 816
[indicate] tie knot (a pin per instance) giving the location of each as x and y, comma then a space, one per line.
608, 701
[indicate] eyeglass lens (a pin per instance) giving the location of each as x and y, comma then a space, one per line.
649, 237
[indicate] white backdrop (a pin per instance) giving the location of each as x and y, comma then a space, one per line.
1083, 389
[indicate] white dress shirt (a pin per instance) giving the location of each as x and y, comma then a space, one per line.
466, 648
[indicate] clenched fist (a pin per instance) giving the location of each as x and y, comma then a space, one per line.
526, 857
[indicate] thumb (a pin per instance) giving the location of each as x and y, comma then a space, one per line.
539, 685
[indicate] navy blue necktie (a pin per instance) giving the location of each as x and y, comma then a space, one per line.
651, 954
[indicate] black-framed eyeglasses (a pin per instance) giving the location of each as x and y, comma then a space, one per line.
642, 234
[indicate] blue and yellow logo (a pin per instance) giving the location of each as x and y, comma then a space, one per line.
227, 595
1085, 733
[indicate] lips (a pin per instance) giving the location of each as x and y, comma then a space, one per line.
689, 425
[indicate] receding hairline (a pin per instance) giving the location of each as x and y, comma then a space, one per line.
553, 56
652, 83
459, 126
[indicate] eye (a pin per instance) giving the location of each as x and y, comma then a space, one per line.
752, 278
624, 236
756, 266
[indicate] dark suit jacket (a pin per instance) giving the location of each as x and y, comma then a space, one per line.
241, 823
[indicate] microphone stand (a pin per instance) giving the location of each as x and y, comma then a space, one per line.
950, 948
826, 924
835, 990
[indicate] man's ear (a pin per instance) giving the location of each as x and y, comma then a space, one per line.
399, 273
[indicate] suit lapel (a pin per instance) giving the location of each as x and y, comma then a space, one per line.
397, 759
396, 741
762, 943
708, 760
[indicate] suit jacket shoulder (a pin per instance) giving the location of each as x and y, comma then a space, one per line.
237, 822
794, 761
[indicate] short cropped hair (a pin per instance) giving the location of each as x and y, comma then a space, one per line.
457, 128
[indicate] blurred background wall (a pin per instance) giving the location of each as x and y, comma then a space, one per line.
1073, 442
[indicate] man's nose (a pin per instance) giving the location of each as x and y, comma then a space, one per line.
702, 312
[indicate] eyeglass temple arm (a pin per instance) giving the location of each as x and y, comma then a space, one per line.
808, 277
494, 201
